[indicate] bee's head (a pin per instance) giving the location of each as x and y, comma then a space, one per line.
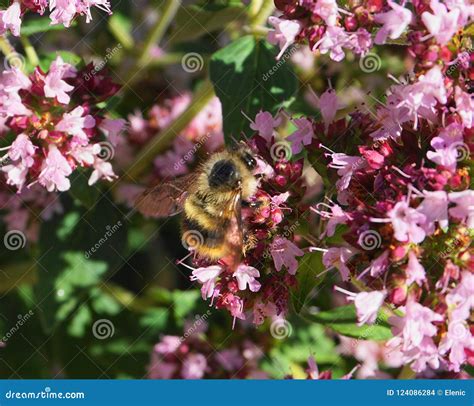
224, 174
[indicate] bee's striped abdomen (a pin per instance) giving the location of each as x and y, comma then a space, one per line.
205, 223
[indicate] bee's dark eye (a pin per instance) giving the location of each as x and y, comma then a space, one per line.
223, 173
249, 161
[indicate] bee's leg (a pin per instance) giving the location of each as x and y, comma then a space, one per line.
249, 243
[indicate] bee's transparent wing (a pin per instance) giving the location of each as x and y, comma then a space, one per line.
166, 198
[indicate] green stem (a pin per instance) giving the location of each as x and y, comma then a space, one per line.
159, 143
170, 8
265, 11
406, 373
254, 8
30, 51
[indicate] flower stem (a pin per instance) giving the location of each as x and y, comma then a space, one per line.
159, 143
406, 373
170, 7
265, 11
30, 51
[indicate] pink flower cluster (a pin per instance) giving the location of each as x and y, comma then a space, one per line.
193, 357
331, 28
61, 12
54, 125
405, 212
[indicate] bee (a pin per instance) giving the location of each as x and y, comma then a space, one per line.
211, 199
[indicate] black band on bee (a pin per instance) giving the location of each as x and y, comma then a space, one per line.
223, 173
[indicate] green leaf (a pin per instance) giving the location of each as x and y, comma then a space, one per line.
155, 319
199, 20
41, 24
80, 321
121, 28
310, 266
343, 320
184, 303
247, 78
75, 252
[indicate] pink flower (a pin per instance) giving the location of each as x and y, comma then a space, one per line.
394, 22
445, 146
328, 104
457, 338
85, 155
85, 6
22, 149
464, 209
327, 10
464, 106
333, 40
102, 170
112, 129
16, 174
407, 223
10, 19
413, 332
63, 11
345, 165
337, 257
302, 136
461, 299
377, 266
54, 85
168, 345
441, 24
208, 277
246, 275
414, 270
14, 79
265, 124
284, 253
55, 171
334, 213
367, 304
194, 366
435, 208
74, 123
284, 34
